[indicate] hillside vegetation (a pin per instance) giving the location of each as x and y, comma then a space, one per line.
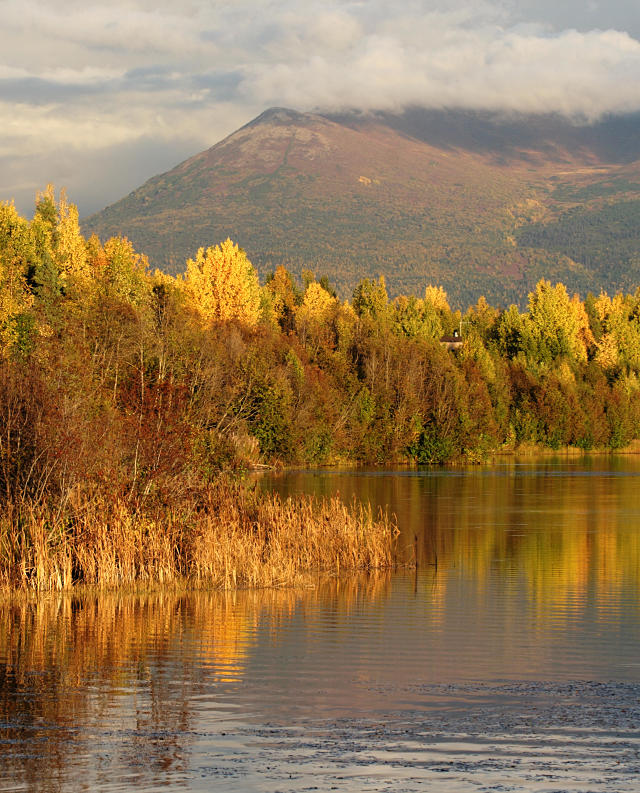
482, 205
126, 394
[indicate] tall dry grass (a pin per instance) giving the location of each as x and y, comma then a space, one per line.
225, 536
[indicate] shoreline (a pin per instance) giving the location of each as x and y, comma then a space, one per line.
226, 536
525, 450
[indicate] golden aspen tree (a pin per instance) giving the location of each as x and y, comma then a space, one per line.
437, 312
223, 285
60, 262
619, 319
57, 232
585, 334
15, 297
70, 247
415, 318
482, 316
96, 258
607, 354
603, 307
437, 297
556, 323
284, 297
611, 314
370, 299
317, 304
124, 272
313, 315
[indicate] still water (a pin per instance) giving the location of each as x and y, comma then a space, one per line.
508, 660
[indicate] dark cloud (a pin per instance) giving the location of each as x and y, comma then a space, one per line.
89, 183
221, 86
582, 15
38, 91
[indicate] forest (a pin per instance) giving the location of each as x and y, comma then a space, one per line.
127, 396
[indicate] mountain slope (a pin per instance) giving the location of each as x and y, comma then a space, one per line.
478, 204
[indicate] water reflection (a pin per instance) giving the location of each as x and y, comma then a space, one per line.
124, 679
512, 649
570, 528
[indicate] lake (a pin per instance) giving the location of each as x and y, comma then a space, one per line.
507, 660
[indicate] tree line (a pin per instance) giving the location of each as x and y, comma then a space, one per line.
143, 384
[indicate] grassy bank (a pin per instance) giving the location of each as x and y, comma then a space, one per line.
223, 536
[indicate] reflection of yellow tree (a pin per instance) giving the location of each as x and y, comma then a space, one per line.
69, 660
157, 647
579, 543
224, 637
578, 538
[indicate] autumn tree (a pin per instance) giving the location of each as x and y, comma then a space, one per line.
438, 311
15, 297
313, 316
70, 253
284, 297
618, 320
558, 325
512, 333
223, 285
416, 318
60, 246
370, 299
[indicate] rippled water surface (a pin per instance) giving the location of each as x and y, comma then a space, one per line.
509, 660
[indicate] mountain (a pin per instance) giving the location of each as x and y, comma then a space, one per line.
476, 202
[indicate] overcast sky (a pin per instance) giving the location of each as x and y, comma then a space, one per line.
99, 96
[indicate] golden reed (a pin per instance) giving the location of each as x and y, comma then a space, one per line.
226, 536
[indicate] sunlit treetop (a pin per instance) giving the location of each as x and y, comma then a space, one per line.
223, 285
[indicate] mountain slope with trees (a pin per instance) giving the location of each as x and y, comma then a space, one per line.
481, 204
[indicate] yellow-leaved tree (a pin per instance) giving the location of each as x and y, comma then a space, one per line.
70, 249
437, 297
57, 234
223, 285
313, 316
15, 297
557, 325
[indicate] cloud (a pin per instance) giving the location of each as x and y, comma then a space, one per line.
90, 79
438, 60
91, 182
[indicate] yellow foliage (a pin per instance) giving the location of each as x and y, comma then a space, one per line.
585, 334
558, 323
281, 289
528, 211
56, 224
15, 298
612, 312
313, 316
70, 250
565, 374
125, 270
607, 355
473, 349
317, 304
223, 285
437, 297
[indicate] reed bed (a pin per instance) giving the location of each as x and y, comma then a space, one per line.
225, 536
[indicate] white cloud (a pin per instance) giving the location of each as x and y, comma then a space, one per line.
101, 76
444, 63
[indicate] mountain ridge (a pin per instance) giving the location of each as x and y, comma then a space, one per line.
461, 199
